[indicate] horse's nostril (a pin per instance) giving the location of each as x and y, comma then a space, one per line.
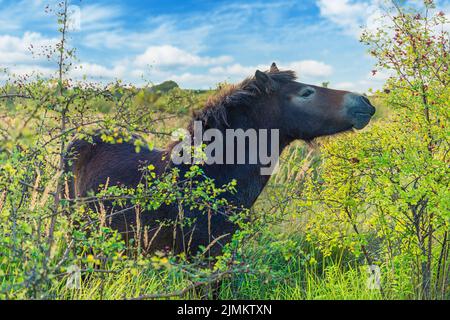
368, 104
365, 100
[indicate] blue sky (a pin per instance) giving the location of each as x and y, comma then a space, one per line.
200, 43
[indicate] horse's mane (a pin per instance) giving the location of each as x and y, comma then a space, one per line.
243, 94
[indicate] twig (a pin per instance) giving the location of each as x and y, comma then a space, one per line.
182, 292
18, 95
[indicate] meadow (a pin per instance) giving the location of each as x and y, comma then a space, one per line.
360, 215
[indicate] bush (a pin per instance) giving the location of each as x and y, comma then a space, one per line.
384, 193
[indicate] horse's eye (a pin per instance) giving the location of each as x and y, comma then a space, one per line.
305, 93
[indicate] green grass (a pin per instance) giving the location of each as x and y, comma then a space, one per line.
275, 275
293, 282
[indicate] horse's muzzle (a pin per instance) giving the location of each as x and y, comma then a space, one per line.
359, 110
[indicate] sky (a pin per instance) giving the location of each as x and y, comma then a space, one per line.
199, 43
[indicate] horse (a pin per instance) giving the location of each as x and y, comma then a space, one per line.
269, 100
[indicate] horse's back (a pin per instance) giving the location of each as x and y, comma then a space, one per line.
100, 163
95, 164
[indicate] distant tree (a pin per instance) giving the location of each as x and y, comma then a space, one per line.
164, 87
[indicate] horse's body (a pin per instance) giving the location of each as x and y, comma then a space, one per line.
271, 100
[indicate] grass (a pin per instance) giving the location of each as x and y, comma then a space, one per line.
293, 279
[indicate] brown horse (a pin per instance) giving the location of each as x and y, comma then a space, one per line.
269, 100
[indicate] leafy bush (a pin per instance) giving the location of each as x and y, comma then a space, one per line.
384, 193
379, 197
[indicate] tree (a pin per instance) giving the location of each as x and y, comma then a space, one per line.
384, 192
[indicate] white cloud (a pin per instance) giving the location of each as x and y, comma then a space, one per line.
165, 61
97, 17
16, 49
341, 8
380, 76
15, 14
170, 56
165, 33
17, 58
370, 81
303, 68
196, 81
105, 39
310, 68
343, 12
235, 70
351, 16
28, 71
93, 70
344, 86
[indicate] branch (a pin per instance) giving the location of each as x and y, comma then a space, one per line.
182, 292
18, 95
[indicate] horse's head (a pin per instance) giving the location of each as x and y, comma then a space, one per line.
308, 111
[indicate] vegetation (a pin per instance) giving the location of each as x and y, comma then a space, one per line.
376, 198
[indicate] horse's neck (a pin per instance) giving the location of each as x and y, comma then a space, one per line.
249, 181
251, 178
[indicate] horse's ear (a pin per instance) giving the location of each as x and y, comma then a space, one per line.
264, 81
274, 68
261, 77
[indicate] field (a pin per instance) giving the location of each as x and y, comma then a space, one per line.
360, 215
